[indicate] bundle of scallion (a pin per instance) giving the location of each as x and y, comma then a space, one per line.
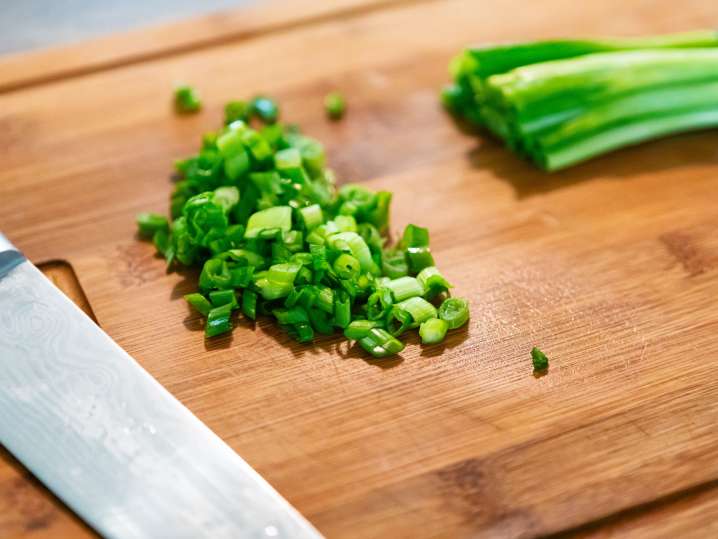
562, 102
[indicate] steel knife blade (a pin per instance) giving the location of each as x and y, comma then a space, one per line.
90, 423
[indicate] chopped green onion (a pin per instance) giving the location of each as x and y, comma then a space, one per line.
405, 287
335, 105
342, 309
539, 360
219, 321
276, 218
418, 308
433, 282
358, 329
223, 297
187, 99
312, 216
278, 281
265, 109
199, 303
249, 304
236, 110
433, 330
151, 223
346, 266
455, 312
380, 343
259, 213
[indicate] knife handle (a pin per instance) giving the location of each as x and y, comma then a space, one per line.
10, 257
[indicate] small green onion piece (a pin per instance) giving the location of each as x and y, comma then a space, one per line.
150, 223
321, 322
219, 321
342, 309
358, 248
358, 329
455, 312
249, 304
398, 321
230, 144
302, 332
539, 360
236, 110
293, 240
433, 282
312, 216
346, 223
291, 316
161, 239
394, 264
257, 145
346, 266
277, 217
334, 105
325, 299
419, 258
199, 303
380, 343
279, 281
241, 276
236, 166
265, 109
226, 197
215, 274
288, 163
419, 309
244, 257
223, 297
187, 99
415, 236
405, 288
379, 304
433, 330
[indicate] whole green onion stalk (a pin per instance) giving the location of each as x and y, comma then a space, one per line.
562, 102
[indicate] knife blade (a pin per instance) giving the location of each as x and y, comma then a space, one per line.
90, 423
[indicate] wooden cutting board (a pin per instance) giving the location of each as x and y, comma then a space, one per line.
610, 267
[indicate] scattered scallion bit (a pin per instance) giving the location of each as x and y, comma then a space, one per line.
335, 105
257, 211
187, 99
539, 360
265, 109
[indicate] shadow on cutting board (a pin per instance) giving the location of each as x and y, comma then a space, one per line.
652, 156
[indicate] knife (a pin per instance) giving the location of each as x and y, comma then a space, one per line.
90, 423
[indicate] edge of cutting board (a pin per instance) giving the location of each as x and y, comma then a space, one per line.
26, 69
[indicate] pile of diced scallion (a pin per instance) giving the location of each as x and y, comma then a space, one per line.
257, 209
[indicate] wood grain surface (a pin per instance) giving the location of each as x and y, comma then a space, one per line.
611, 267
